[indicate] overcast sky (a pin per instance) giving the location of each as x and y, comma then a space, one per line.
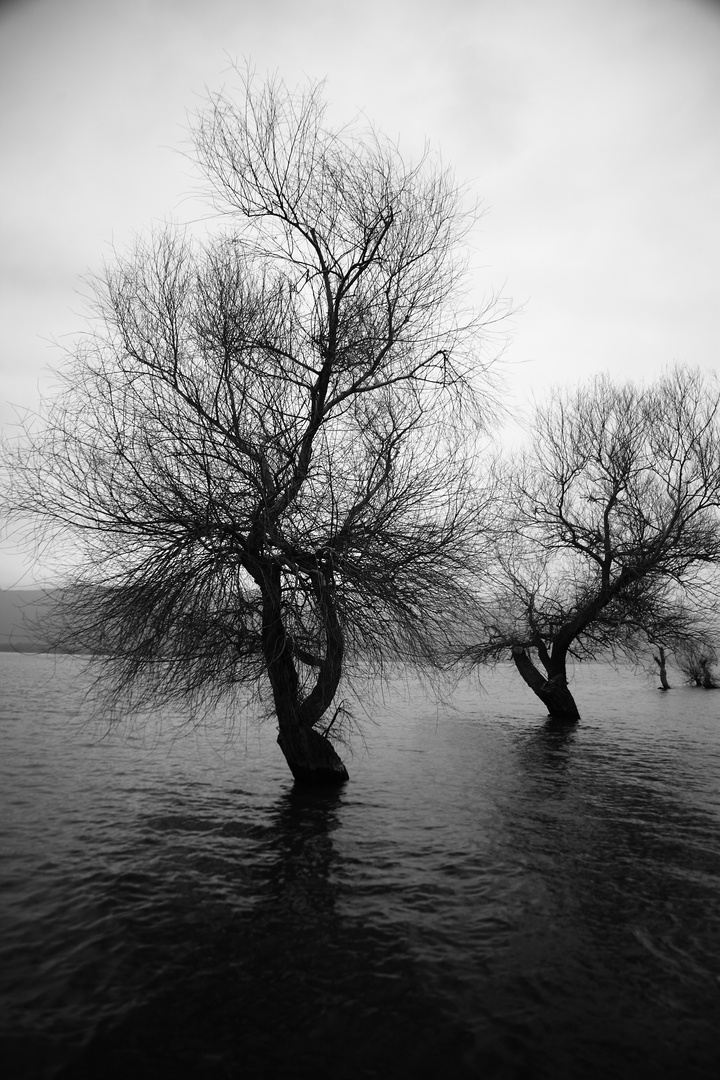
589, 130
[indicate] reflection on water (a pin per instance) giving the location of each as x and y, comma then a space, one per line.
492, 895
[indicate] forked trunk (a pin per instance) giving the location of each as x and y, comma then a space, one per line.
552, 690
310, 755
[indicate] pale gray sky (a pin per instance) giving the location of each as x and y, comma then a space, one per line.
589, 129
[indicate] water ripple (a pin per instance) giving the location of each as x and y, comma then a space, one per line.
491, 896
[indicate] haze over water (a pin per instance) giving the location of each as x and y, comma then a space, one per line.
490, 896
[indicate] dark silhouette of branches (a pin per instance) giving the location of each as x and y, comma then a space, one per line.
697, 660
611, 530
263, 455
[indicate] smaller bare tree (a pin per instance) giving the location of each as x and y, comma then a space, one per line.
611, 535
697, 662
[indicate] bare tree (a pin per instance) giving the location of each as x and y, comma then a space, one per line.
263, 453
611, 534
660, 659
697, 662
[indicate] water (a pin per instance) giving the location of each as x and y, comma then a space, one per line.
490, 896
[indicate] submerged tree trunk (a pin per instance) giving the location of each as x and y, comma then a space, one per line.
311, 756
662, 668
707, 680
552, 690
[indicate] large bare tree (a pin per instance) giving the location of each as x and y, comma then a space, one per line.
262, 457
610, 534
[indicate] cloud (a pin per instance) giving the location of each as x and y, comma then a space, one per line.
590, 132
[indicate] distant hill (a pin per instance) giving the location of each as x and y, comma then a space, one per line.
25, 620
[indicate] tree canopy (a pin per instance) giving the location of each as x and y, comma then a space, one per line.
611, 530
262, 456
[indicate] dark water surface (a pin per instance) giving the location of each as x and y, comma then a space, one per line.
490, 896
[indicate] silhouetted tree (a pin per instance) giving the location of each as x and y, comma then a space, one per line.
611, 535
660, 658
262, 458
697, 662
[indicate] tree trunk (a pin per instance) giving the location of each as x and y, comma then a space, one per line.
660, 661
311, 756
552, 691
708, 681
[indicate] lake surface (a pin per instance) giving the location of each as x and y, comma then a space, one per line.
490, 896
